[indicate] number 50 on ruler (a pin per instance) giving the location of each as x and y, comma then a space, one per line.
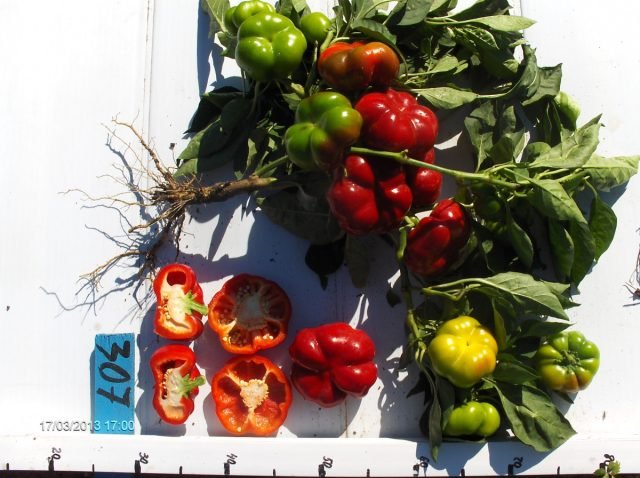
113, 384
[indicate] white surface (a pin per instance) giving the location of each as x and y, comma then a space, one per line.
68, 68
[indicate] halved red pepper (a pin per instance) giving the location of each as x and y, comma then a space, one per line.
249, 313
369, 195
180, 304
251, 396
331, 362
177, 379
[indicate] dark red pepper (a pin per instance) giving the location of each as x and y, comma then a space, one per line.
394, 121
369, 195
176, 382
435, 243
425, 184
350, 67
180, 305
331, 362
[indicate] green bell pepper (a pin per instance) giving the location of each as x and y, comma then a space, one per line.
269, 46
473, 419
235, 16
325, 126
567, 361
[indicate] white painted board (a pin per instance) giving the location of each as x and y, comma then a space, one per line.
68, 69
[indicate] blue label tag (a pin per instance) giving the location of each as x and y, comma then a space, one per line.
113, 384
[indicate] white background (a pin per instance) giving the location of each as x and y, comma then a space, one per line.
69, 67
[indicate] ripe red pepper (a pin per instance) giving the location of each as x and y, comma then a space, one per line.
249, 313
394, 121
331, 362
435, 243
180, 304
176, 382
350, 67
251, 395
369, 195
425, 184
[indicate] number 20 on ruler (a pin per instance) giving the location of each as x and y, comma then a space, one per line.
113, 379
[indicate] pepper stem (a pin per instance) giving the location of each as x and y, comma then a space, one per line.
191, 305
188, 384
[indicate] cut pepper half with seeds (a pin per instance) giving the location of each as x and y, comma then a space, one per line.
252, 396
250, 313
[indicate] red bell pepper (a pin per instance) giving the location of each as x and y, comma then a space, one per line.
331, 362
369, 195
176, 382
394, 121
350, 67
180, 305
425, 184
435, 243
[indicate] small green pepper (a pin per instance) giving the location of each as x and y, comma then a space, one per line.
269, 46
325, 125
315, 27
234, 16
473, 418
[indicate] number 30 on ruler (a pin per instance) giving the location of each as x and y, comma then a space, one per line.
113, 379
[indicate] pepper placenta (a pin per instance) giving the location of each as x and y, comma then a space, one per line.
369, 195
331, 362
463, 351
351, 67
567, 361
473, 419
180, 305
394, 121
177, 379
325, 125
435, 243
269, 46
251, 396
249, 313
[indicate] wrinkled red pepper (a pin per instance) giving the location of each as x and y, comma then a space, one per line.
180, 304
369, 195
425, 184
176, 382
435, 243
350, 67
394, 121
331, 362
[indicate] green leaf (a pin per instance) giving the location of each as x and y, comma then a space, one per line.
512, 371
585, 250
505, 23
562, 248
215, 9
602, 223
520, 241
508, 147
410, 12
607, 173
530, 76
374, 30
357, 260
524, 292
541, 328
534, 418
474, 38
445, 64
572, 152
446, 97
552, 200
303, 210
444, 5
550, 79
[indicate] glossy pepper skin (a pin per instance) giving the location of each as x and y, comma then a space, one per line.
425, 184
315, 26
251, 395
235, 16
567, 361
394, 121
463, 351
331, 362
180, 306
325, 126
177, 379
351, 67
369, 195
435, 243
473, 419
269, 46
249, 313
